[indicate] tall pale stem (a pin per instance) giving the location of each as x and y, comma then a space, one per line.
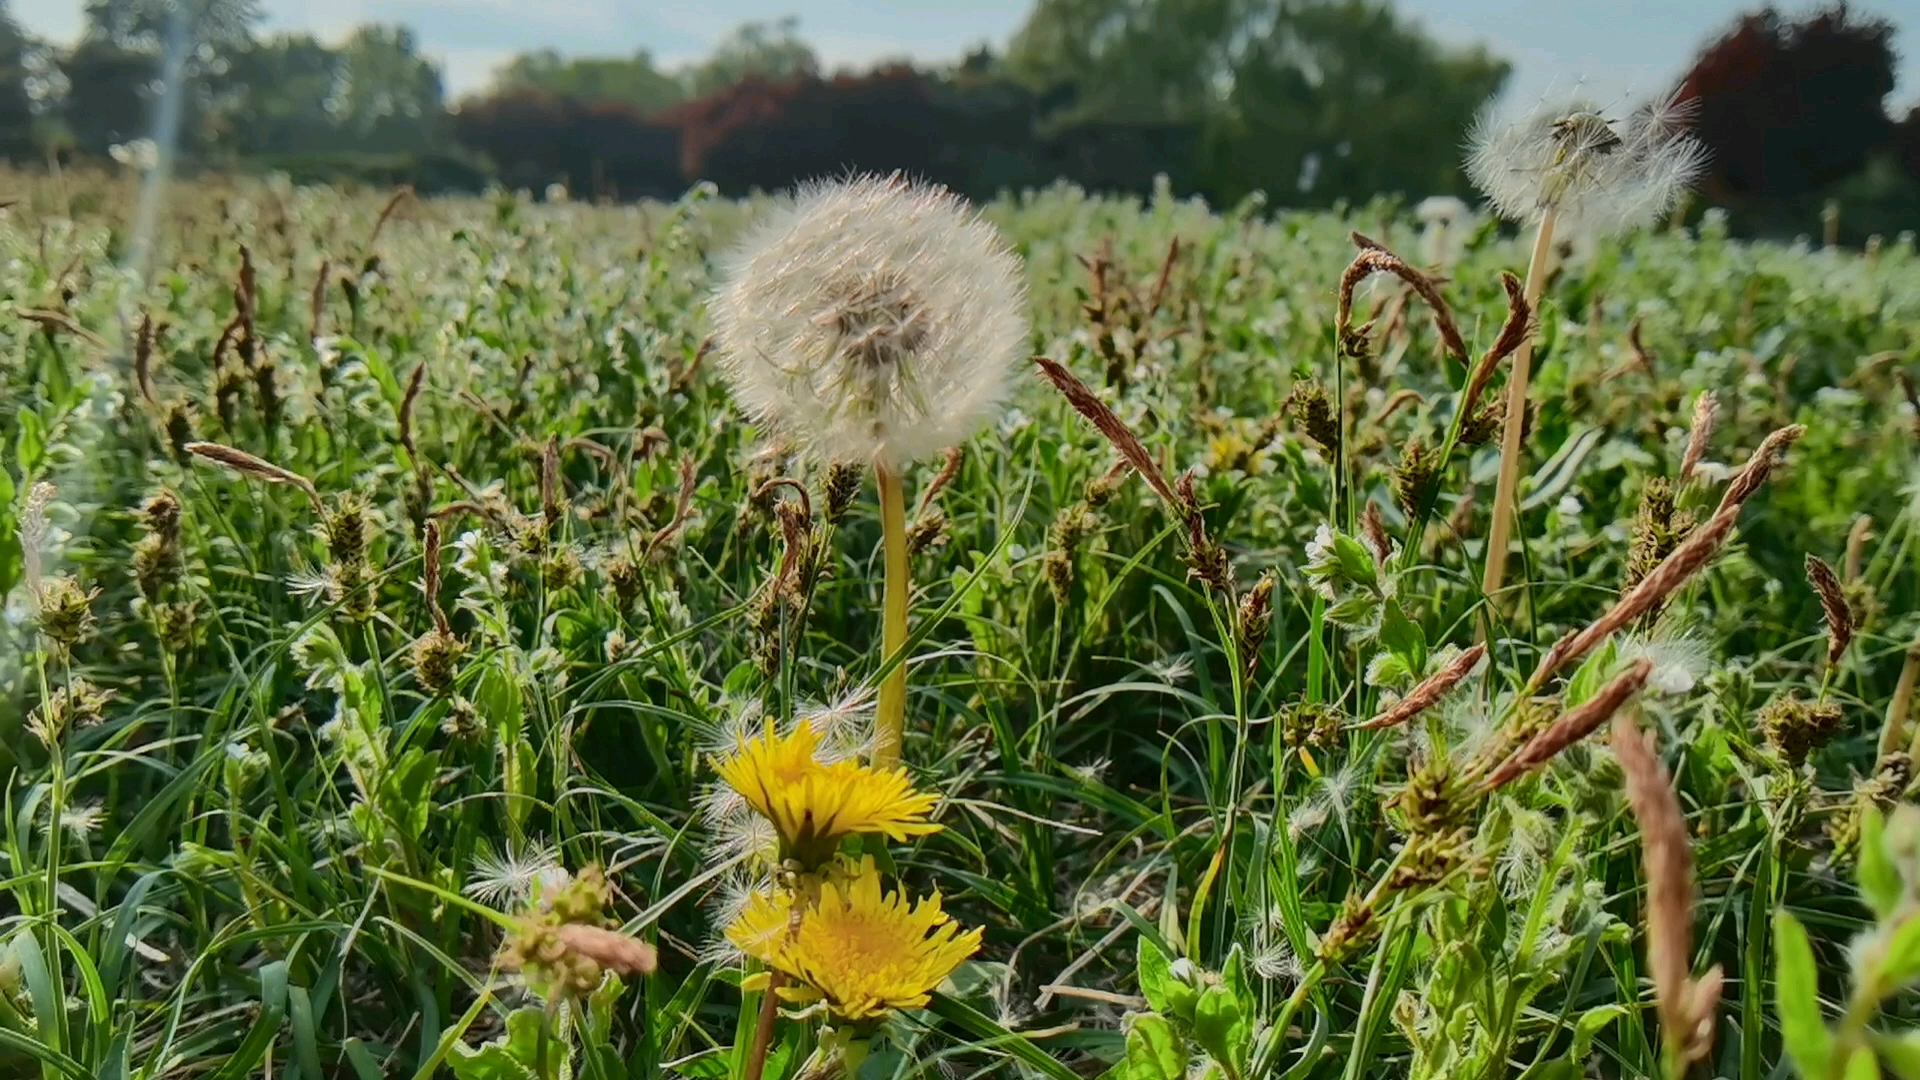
1505, 495
890, 718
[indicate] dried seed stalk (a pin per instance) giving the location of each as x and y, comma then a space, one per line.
1686, 1006
430, 576
407, 402
1116, 431
1833, 606
1758, 467
1514, 331
1857, 538
1572, 726
682, 508
948, 470
259, 468
1693, 553
1431, 690
143, 359
610, 949
1374, 259
1706, 409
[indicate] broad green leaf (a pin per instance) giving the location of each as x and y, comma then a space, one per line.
1862, 1066
1356, 562
515, 1055
1878, 879
1403, 637
1154, 1050
30, 441
1222, 1028
1796, 988
1154, 974
1900, 1053
1900, 962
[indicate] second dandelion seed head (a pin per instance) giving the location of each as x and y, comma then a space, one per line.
1570, 159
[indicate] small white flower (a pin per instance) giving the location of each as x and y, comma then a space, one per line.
140, 155
872, 318
1570, 159
1568, 506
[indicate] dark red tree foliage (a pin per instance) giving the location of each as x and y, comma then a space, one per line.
1787, 107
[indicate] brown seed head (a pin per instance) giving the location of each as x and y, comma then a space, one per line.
1572, 726
1833, 605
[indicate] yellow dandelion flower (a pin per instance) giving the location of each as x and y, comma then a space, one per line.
861, 950
813, 804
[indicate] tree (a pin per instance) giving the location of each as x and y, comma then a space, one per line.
1786, 108
771, 50
16, 103
632, 80
1311, 99
1343, 99
388, 96
112, 73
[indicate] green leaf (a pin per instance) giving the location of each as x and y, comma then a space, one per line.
1900, 962
1878, 879
1591, 674
1901, 1053
1862, 1065
1154, 1050
30, 442
513, 1056
1405, 638
1155, 974
1796, 984
1222, 1028
1356, 562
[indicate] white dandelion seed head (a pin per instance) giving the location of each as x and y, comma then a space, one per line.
734, 831
1172, 671
1596, 173
78, 820
516, 875
872, 319
722, 734
845, 724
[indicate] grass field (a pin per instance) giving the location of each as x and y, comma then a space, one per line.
284, 778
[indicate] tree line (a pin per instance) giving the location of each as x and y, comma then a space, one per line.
1310, 101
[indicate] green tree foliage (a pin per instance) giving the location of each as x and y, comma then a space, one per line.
631, 80
773, 50
16, 106
1316, 99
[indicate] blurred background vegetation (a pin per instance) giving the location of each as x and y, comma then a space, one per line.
1312, 102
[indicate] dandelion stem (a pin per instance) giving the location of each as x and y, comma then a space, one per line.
763, 1029
1505, 495
890, 719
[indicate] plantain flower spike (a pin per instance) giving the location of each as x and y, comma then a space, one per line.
1594, 173
872, 318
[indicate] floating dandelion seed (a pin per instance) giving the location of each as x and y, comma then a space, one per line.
1594, 173
872, 318
517, 875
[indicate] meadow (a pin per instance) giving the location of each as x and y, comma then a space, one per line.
389, 582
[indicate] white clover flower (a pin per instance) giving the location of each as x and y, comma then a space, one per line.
1570, 159
871, 319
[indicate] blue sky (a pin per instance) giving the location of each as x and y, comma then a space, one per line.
1617, 48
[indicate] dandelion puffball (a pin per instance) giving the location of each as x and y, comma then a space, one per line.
1599, 174
871, 319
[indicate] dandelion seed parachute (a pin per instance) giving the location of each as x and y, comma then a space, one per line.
871, 319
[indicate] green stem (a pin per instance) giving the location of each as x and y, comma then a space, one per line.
890, 720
